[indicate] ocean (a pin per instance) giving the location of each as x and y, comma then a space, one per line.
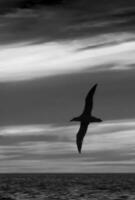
67, 186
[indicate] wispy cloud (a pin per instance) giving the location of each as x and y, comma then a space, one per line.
60, 166
28, 61
26, 130
106, 145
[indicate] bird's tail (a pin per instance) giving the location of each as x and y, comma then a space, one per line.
79, 146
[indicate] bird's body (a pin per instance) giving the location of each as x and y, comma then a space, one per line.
85, 118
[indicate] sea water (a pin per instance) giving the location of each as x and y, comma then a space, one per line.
67, 186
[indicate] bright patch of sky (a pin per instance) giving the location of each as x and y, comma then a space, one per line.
25, 61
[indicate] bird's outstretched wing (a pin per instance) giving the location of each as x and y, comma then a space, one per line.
89, 101
80, 135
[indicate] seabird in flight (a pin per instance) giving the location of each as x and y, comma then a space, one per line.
85, 118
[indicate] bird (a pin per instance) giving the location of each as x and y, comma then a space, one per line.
85, 118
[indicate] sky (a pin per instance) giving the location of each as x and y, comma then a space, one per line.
50, 56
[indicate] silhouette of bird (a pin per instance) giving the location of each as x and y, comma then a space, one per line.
85, 118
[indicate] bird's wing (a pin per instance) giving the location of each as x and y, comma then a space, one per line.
80, 135
89, 100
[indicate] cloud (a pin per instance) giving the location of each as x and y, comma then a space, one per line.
26, 13
29, 61
59, 23
50, 132
64, 166
25, 130
107, 145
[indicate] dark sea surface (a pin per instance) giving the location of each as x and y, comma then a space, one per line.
67, 186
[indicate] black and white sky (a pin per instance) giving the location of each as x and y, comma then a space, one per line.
51, 53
